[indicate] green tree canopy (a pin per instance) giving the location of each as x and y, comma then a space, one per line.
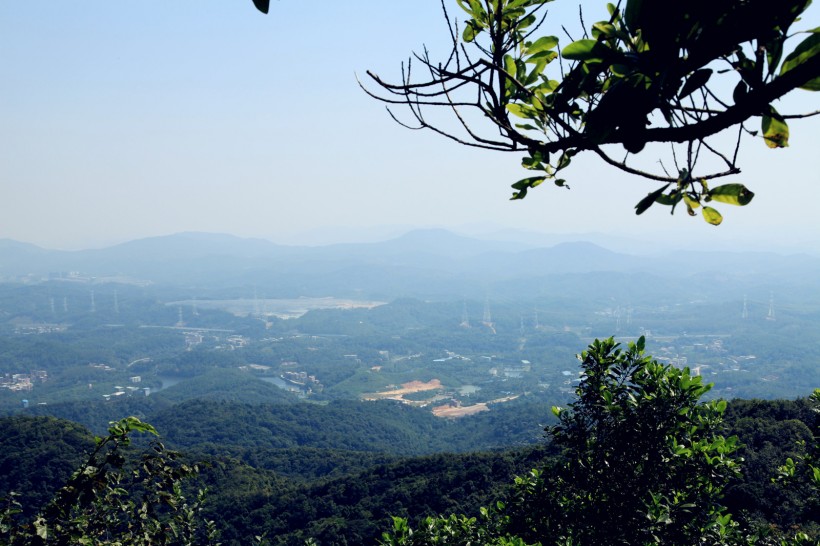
643, 462
644, 458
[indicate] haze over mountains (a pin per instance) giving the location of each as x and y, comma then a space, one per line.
429, 263
420, 263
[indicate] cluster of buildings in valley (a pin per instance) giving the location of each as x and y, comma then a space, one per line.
40, 328
706, 357
306, 383
193, 338
302, 379
234, 342
303, 382
25, 382
22, 381
129, 390
196, 337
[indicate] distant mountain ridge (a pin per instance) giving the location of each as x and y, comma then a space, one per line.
420, 262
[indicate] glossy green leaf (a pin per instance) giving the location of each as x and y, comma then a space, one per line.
805, 50
605, 29
465, 6
531, 163
129, 424
477, 9
520, 110
691, 202
536, 72
470, 32
509, 65
733, 194
544, 57
586, 50
530, 182
775, 130
564, 160
669, 199
621, 70
526, 22
548, 86
525, 184
545, 43
647, 201
540, 157
518, 4
712, 216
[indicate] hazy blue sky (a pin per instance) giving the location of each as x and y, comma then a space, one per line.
121, 120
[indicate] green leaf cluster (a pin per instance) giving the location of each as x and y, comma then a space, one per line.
115, 500
651, 72
644, 462
694, 194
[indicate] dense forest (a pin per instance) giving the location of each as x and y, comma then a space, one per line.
335, 496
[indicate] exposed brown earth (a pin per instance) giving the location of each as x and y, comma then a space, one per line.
406, 388
454, 412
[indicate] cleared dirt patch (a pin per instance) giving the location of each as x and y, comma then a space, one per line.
406, 388
454, 412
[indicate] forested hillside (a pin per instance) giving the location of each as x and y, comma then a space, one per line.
347, 497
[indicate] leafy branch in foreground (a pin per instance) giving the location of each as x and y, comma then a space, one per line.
675, 73
112, 499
